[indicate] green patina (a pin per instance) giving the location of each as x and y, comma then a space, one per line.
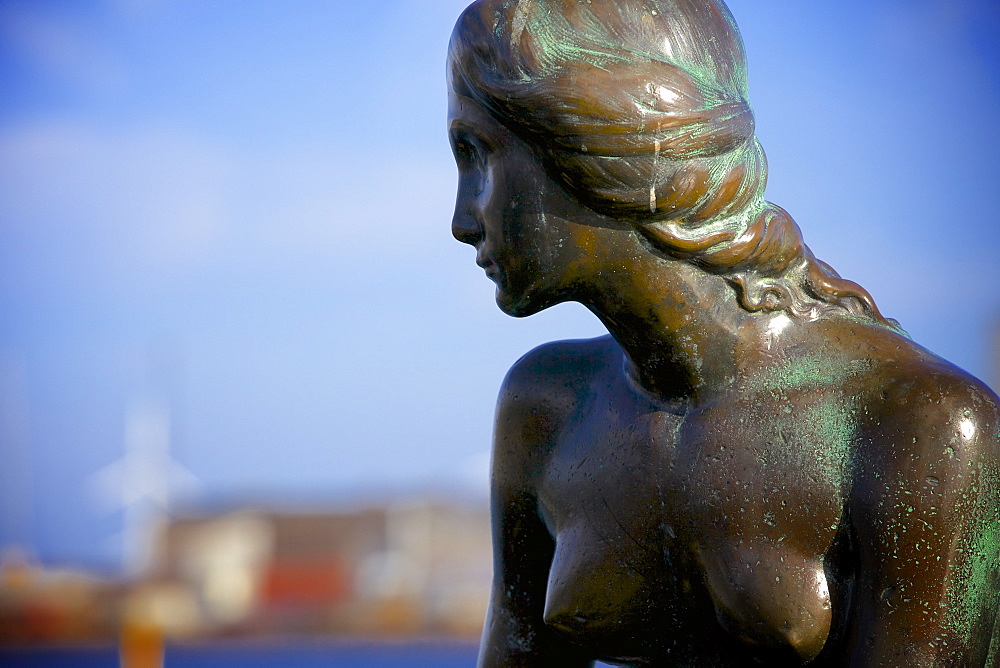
828, 431
823, 422
807, 371
816, 441
558, 40
976, 577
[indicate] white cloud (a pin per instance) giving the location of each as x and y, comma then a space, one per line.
154, 196
159, 201
57, 48
350, 205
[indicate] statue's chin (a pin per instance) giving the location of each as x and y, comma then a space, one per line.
522, 305
516, 309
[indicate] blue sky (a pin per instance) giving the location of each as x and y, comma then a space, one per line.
243, 210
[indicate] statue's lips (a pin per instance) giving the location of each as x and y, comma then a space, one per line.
488, 266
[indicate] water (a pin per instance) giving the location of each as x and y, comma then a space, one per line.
258, 655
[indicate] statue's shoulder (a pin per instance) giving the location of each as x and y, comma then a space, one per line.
544, 390
562, 367
889, 373
937, 405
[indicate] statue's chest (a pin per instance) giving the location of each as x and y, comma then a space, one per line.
659, 519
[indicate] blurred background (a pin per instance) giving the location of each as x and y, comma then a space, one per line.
246, 375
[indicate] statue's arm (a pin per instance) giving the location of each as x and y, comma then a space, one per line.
515, 633
925, 514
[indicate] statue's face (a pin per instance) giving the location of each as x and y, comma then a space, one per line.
522, 224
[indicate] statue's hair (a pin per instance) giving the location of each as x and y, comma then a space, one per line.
639, 109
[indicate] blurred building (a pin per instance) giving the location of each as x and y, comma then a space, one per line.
413, 568
406, 569
40, 606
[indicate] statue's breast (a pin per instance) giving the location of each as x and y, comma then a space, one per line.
762, 482
620, 567
711, 544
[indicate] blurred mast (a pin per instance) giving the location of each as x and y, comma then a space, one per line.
146, 480
16, 479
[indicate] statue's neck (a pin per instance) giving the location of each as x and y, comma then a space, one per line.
678, 326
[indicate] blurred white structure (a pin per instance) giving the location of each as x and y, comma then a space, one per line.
144, 481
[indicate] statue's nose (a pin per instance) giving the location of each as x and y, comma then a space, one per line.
466, 228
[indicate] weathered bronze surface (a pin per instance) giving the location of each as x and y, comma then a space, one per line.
755, 467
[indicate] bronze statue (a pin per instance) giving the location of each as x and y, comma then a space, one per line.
755, 467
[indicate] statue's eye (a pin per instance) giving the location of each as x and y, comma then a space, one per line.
468, 151
465, 150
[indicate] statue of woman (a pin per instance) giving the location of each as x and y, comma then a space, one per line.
755, 467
